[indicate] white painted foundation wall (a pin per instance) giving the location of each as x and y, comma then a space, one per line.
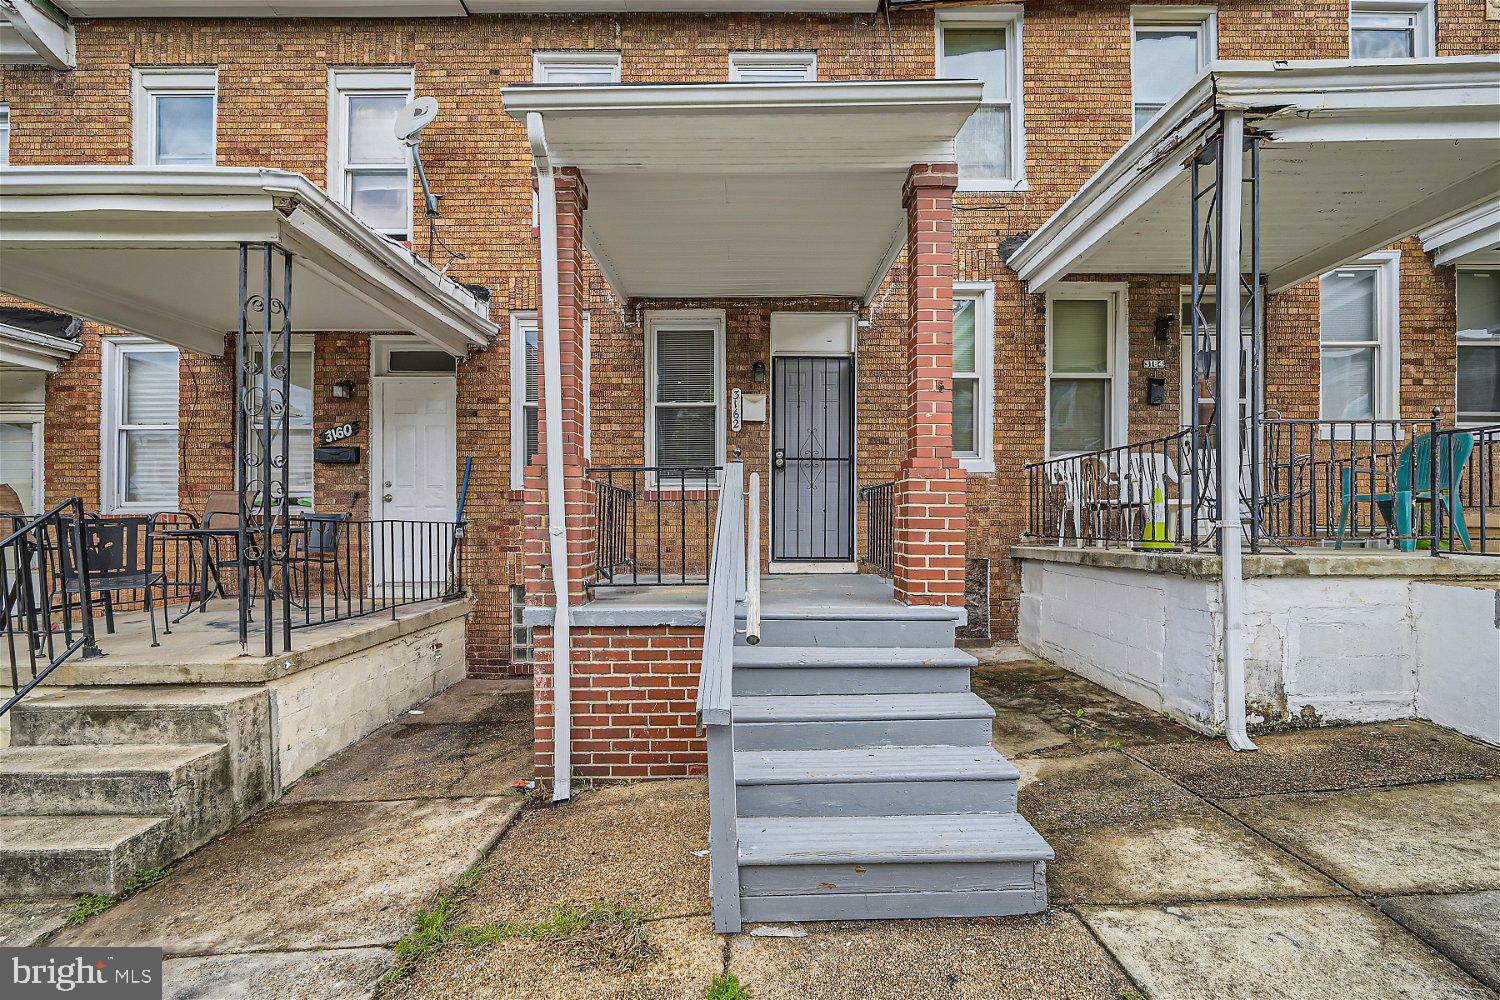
1320, 648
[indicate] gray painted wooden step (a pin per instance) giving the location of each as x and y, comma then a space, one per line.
881, 781
844, 721
815, 629
61, 855
770, 670
896, 905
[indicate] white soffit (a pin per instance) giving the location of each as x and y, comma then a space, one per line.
746, 189
155, 251
264, 8
1355, 157
1467, 236
31, 33
668, 6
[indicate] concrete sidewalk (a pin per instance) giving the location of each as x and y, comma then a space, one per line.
306, 899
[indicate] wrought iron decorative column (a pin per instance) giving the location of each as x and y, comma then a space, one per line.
261, 444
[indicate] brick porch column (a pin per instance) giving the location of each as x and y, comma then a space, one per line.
930, 491
572, 296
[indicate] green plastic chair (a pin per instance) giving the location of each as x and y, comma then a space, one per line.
1413, 485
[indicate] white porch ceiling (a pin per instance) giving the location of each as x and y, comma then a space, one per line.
746, 189
1355, 157
155, 252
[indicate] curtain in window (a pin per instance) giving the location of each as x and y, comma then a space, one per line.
686, 408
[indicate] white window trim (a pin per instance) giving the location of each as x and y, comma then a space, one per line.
804, 62
344, 82
1387, 267
1459, 419
304, 343
686, 319
380, 356
519, 321
1117, 294
4, 134
1204, 19
543, 63
1424, 44
147, 83
34, 416
984, 373
111, 473
1010, 16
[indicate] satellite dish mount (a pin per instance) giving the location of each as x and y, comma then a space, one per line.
409, 125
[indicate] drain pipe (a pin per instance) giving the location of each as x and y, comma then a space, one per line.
557, 531
1232, 579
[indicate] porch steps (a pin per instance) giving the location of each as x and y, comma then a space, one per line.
866, 784
102, 782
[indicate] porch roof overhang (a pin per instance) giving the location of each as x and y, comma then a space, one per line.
745, 190
1355, 157
38, 351
1471, 237
155, 252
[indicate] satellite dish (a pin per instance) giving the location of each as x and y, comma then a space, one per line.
415, 117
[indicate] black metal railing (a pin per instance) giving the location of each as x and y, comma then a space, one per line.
339, 568
1404, 484
653, 524
880, 527
48, 605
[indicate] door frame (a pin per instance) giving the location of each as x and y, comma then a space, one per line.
378, 381
791, 341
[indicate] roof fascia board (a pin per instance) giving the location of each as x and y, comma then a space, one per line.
898, 243
1461, 196
670, 6
30, 349
522, 99
1476, 230
50, 39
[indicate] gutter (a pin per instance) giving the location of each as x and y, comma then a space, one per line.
557, 531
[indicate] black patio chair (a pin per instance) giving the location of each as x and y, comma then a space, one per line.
119, 559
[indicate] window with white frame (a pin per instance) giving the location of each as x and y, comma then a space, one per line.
1479, 344
772, 67
1085, 409
1170, 47
4, 134
300, 444
175, 112
369, 169
973, 375
1391, 29
139, 427
685, 389
525, 386
1359, 323
984, 43
590, 68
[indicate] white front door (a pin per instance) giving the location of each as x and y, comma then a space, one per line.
417, 468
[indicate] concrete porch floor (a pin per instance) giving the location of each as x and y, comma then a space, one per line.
1344, 862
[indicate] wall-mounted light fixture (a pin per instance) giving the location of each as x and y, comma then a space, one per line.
1164, 324
343, 389
758, 373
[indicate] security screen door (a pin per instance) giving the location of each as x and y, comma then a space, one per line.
812, 459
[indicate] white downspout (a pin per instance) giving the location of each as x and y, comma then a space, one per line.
1231, 198
557, 531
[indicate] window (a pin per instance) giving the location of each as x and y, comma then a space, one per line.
1085, 348
1360, 357
1479, 345
1169, 47
174, 115
4, 134
409, 356
525, 384
593, 68
520, 633
684, 411
140, 427
299, 475
1390, 29
984, 43
369, 169
973, 375
772, 67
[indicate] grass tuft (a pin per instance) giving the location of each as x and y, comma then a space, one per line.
727, 987
92, 904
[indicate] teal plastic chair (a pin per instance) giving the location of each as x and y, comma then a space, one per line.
1413, 485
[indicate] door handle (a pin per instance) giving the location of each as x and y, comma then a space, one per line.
388, 498
778, 458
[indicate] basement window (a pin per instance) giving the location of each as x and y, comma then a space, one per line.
1390, 29
522, 652
174, 116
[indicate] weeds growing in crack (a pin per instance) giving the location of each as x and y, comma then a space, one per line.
727, 987
92, 904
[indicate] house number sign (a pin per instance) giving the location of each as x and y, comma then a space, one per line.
339, 432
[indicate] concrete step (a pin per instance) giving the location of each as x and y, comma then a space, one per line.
237, 717
895, 627
62, 855
146, 780
848, 721
771, 670
864, 867
879, 781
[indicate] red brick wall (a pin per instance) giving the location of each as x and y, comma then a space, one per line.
634, 702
